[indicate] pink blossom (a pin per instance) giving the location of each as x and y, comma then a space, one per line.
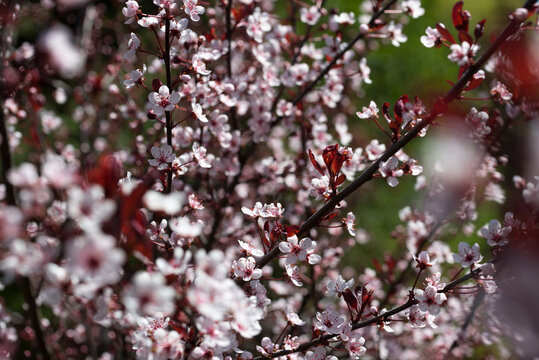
462, 54
374, 150
423, 260
368, 112
350, 223
467, 255
355, 346
132, 45
95, 259
394, 33
194, 202
199, 154
130, 11
500, 91
258, 24
389, 169
162, 156
339, 286
250, 250
148, 294
192, 9
310, 15
329, 321
199, 66
293, 318
89, 206
135, 77
197, 110
164, 100
430, 299
413, 8
495, 234
296, 251
245, 268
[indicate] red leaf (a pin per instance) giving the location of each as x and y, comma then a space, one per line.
385, 112
464, 36
460, 17
399, 109
377, 264
315, 163
479, 28
446, 35
134, 232
330, 216
292, 230
106, 173
350, 299
472, 84
340, 180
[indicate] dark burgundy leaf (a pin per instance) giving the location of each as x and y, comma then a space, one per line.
479, 28
446, 35
464, 36
460, 17
315, 163
350, 299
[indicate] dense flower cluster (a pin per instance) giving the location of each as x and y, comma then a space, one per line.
222, 138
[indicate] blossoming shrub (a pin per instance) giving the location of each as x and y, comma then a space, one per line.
195, 201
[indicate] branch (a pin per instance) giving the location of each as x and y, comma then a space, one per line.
168, 115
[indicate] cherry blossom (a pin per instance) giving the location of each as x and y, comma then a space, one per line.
433, 38
162, 156
130, 11
149, 295
423, 260
132, 46
245, 268
297, 250
430, 299
500, 91
339, 286
199, 154
310, 15
368, 112
197, 111
350, 223
374, 150
389, 169
163, 100
495, 234
293, 318
257, 24
94, 259
89, 206
193, 10
199, 65
135, 77
395, 34
467, 255
355, 347
413, 8
329, 321
462, 54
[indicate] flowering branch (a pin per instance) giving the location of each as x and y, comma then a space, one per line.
439, 108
